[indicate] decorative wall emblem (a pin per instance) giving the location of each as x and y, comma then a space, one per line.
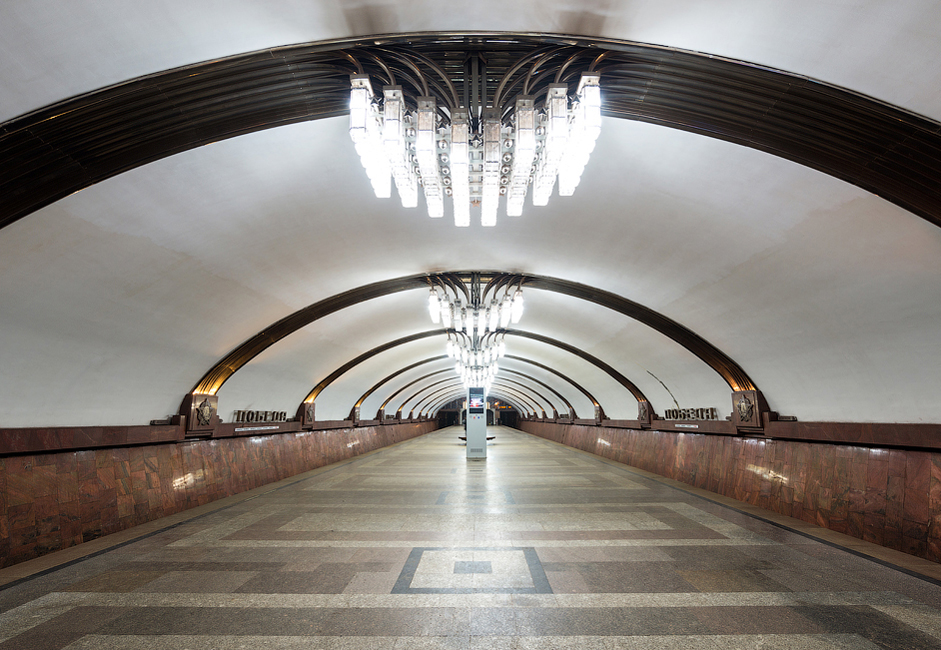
745, 409
642, 411
309, 413
204, 413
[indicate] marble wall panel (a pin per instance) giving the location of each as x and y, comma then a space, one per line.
55, 500
890, 497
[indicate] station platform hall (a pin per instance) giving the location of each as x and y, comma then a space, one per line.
540, 546
678, 263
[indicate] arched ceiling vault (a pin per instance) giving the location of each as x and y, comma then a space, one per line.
433, 409
572, 413
576, 385
346, 367
560, 396
395, 374
392, 396
440, 404
734, 375
505, 383
433, 393
395, 393
740, 225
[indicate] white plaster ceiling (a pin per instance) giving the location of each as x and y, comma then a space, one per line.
114, 301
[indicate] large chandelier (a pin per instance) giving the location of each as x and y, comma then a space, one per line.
476, 329
476, 150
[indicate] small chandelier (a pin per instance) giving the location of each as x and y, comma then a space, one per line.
475, 330
477, 150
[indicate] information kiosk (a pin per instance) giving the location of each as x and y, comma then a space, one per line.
476, 424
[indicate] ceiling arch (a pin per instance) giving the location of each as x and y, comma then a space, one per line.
433, 409
595, 361
446, 387
579, 387
524, 393
560, 396
214, 378
727, 201
77, 142
393, 395
438, 388
506, 383
396, 392
612, 372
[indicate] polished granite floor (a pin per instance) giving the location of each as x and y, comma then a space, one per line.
539, 547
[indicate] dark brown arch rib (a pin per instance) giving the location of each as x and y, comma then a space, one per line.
733, 373
617, 376
434, 408
727, 368
227, 366
568, 404
62, 148
392, 376
455, 384
452, 384
497, 390
395, 374
316, 390
502, 381
581, 388
431, 374
523, 397
409, 385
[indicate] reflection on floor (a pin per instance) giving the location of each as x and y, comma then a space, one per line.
539, 546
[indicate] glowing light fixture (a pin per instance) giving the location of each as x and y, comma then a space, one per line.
476, 331
478, 149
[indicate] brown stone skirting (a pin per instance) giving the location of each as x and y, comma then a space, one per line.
53, 500
890, 497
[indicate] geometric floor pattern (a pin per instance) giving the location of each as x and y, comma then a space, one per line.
538, 547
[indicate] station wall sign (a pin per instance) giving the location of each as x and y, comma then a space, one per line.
259, 416
691, 414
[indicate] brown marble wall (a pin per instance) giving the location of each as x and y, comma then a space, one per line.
55, 500
885, 496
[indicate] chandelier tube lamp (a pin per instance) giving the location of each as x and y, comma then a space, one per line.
493, 140
476, 329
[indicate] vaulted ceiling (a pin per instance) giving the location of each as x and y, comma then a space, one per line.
778, 208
